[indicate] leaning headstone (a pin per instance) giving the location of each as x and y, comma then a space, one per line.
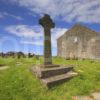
20, 54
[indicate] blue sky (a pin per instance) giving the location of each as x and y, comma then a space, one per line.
19, 28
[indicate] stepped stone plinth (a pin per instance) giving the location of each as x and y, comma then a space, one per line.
48, 73
48, 66
52, 76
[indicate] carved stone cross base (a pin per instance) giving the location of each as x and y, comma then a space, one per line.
53, 75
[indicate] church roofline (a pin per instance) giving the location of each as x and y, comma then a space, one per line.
80, 26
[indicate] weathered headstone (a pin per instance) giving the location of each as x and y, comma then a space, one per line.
30, 55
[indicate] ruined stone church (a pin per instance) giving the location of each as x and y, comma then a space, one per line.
79, 42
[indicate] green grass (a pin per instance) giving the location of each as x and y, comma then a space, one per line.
18, 83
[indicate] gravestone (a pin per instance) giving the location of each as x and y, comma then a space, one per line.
50, 74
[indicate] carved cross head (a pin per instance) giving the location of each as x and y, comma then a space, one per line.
46, 22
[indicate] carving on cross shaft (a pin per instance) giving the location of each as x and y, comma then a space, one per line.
47, 24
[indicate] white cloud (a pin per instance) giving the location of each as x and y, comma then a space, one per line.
24, 30
35, 32
69, 10
56, 33
60, 32
13, 16
4, 14
38, 43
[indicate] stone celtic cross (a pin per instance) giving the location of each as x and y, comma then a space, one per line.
47, 24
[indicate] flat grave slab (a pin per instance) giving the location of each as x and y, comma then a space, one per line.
82, 98
4, 67
96, 95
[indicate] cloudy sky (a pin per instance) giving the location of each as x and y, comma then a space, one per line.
19, 28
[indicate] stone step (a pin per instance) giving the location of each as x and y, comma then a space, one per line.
49, 66
51, 81
49, 72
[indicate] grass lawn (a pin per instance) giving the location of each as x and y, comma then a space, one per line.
18, 83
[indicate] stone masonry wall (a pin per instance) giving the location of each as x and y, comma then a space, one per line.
75, 44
